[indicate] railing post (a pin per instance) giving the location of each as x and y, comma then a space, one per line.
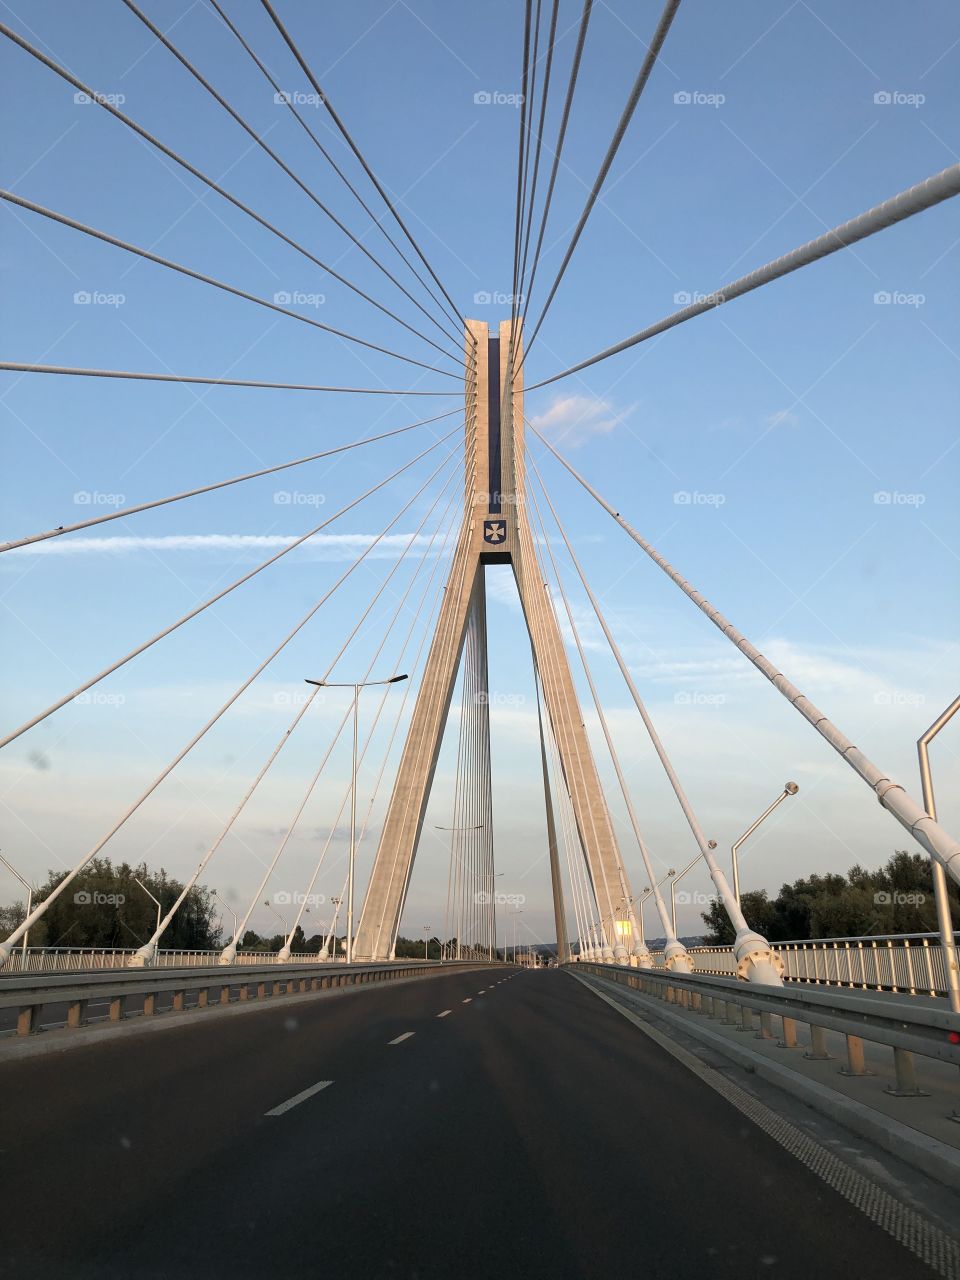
818, 1046
856, 1064
177, 1004
117, 1008
766, 1026
77, 1013
150, 1004
789, 1040
746, 1018
28, 1019
906, 1085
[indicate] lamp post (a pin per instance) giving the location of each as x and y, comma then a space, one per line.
940, 894
325, 949
641, 902
790, 789
227, 907
356, 686
515, 914
425, 930
270, 907
29, 888
156, 901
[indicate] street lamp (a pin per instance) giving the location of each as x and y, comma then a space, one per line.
152, 898
325, 949
29, 888
356, 686
515, 914
227, 907
790, 789
940, 895
641, 901
425, 929
269, 905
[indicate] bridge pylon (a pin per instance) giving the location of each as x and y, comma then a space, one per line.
495, 530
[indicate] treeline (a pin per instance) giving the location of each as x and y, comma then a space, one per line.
106, 907
896, 898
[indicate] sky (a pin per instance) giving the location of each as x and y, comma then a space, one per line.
793, 454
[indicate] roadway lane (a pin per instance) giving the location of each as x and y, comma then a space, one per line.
419, 1130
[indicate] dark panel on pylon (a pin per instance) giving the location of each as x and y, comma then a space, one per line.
495, 483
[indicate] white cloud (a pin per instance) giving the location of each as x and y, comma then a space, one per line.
331, 545
574, 419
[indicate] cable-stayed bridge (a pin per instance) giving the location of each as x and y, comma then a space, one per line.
569, 1114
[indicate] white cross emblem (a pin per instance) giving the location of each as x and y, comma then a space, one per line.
494, 531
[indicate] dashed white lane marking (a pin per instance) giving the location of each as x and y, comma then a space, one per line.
299, 1097
399, 1040
444, 1014
467, 1001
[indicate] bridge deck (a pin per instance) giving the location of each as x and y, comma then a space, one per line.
530, 1131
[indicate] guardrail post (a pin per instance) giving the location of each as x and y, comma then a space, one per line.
203, 997
905, 1067
225, 994
818, 1045
77, 1013
261, 991
28, 1019
178, 1001
789, 1040
244, 990
117, 1008
746, 1018
732, 1017
766, 1026
856, 1065
150, 1004
278, 988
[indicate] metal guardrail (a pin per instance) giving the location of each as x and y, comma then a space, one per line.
905, 1027
30, 994
77, 959
906, 963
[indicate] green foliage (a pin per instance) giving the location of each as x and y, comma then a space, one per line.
897, 898
105, 907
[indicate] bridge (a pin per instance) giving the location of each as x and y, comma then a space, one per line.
601, 1094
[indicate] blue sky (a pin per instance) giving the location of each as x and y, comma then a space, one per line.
792, 453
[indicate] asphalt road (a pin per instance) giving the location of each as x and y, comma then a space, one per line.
500, 1123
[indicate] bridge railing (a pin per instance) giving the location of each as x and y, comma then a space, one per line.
137, 991
78, 959
905, 963
906, 1027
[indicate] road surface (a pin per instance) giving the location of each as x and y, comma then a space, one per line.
483, 1124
